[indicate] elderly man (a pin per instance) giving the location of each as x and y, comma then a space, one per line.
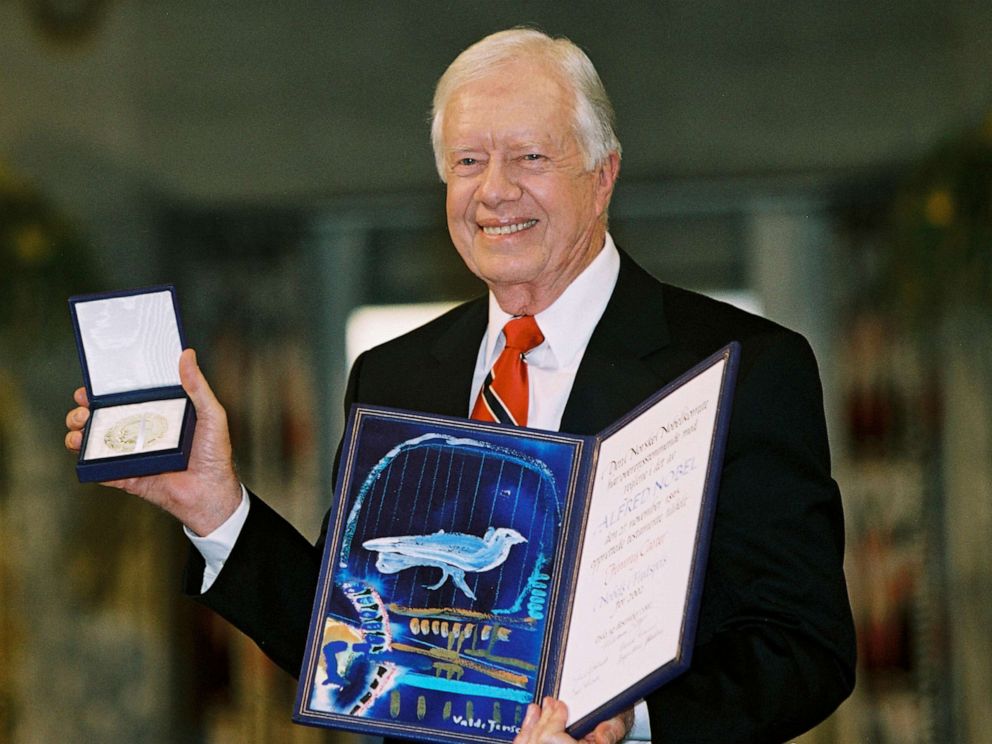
524, 140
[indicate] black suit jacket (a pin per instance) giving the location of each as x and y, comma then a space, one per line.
774, 651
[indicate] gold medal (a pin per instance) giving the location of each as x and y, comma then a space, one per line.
133, 433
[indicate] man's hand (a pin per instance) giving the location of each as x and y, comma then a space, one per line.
204, 495
546, 725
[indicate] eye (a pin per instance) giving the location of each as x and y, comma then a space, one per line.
466, 165
532, 156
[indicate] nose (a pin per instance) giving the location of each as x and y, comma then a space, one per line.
498, 184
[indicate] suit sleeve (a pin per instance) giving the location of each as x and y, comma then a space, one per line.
267, 586
775, 647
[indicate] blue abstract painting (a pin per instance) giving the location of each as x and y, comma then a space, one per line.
443, 551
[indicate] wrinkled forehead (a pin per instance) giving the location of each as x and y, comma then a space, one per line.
519, 73
516, 100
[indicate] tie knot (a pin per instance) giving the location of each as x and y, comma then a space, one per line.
522, 333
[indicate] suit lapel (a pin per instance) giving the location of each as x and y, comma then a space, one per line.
628, 357
453, 354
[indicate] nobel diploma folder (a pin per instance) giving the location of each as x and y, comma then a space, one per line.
471, 568
141, 421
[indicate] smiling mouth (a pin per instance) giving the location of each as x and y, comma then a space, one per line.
508, 229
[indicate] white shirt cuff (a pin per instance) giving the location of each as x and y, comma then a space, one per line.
217, 546
641, 730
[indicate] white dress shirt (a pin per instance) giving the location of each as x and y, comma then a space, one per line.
567, 326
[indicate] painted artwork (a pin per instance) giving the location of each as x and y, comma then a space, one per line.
439, 564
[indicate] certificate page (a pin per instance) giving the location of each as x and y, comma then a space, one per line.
635, 569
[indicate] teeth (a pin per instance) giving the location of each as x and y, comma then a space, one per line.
508, 229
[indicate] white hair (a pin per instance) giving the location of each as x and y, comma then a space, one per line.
593, 113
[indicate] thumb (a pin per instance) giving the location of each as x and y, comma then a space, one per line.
195, 384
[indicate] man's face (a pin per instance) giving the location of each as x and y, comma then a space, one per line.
523, 212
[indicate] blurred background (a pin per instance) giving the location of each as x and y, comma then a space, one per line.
826, 164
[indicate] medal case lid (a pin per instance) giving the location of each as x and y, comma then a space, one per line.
129, 343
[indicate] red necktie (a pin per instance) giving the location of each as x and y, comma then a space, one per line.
504, 393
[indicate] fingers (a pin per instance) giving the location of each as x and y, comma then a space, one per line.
73, 441
75, 420
612, 730
554, 714
545, 725
528, 725
608, 732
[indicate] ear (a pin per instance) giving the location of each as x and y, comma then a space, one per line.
606, 178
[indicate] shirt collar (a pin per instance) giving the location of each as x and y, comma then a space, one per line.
570, 320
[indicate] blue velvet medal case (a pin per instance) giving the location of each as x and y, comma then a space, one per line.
141, 420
